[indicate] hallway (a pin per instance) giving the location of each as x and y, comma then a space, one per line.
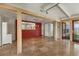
42, 47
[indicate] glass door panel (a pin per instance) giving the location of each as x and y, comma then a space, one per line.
76, 31
65, 30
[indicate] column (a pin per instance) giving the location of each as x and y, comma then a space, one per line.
71, 29
56, 31
43, 29
19, 33
0, 32
60, 31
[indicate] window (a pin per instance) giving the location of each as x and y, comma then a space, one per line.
28, 26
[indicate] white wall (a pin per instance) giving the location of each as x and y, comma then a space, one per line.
46, 30
10, 25
10, 17
51, 29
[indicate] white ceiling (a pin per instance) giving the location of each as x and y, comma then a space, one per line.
72, 7
56, 13
11, 15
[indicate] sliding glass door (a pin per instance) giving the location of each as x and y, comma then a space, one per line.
76, 31
65, 30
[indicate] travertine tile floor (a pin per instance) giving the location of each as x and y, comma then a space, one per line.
42, 47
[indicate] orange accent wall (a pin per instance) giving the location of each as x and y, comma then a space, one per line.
32, 33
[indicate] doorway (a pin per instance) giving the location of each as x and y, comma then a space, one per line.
66, 30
